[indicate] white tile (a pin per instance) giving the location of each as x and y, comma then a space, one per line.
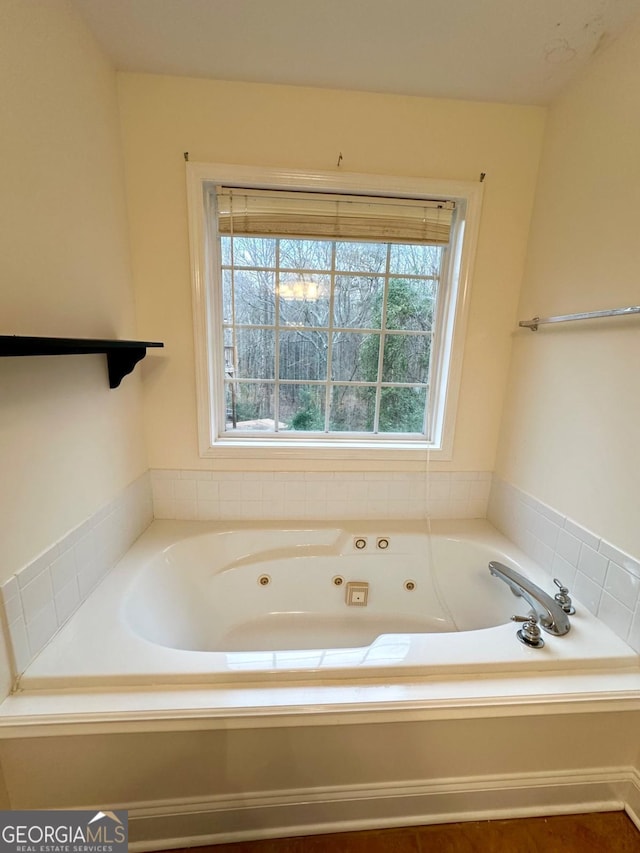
63, 570
35, 567
377, 491
317, 491
274, 491
528, 516
479, 490
459, 490
564, 571
587, 592
273, 510
377, 509
66, 601
185, 490
36, 596
230, 510
568, 547
207, 490
185, 510
622, 585
527, 500
547, 531
250, 509
397, 509
582, 534
88, 578
438, 490
85, 551
543, 556
463, 476
459, 509
10, 588
438, 509
13, 609
625, 560
477, 508
208, 510
41, 629
232, 490
529, 544
615, 615
163, 508
295, 491
592, 564
162, 490
552, 514
20, 645
634, 633
356, 509
251, 490
317, 510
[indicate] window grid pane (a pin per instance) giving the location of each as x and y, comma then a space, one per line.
360, 335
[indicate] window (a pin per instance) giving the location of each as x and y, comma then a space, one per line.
328, 317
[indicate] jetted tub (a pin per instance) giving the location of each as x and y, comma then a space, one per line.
206, 603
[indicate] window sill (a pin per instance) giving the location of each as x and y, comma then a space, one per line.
365, 451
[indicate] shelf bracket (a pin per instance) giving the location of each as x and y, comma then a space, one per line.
121, 362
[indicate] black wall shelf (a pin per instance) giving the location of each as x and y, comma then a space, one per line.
122, 356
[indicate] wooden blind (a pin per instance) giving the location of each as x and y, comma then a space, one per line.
272, 213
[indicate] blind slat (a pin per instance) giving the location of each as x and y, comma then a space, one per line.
321, 216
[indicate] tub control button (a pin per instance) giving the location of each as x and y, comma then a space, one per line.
360, 543
382, 543
357, 593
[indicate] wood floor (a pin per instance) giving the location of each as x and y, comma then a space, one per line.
607, 832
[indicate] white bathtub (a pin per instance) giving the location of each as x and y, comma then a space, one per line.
187, 606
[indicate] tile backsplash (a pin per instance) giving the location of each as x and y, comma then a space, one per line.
213, 495
605, 579
41, 596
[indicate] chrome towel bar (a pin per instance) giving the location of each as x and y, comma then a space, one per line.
587, 315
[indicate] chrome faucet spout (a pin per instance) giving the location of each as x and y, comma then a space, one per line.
552, 617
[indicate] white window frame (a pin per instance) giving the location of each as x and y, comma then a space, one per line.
201, 181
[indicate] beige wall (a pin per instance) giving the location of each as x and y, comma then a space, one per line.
570, 434
241, 123
67, 443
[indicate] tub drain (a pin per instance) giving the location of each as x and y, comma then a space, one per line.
409, 585
264, 580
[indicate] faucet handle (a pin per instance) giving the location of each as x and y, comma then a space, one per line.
563, 598
529, 634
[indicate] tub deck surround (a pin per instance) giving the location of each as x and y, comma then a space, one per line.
51, 713
131, 632
604, 578
41, 596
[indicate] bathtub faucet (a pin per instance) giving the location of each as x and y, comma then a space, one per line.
552, 617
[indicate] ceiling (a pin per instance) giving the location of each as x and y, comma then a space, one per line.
513, 51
